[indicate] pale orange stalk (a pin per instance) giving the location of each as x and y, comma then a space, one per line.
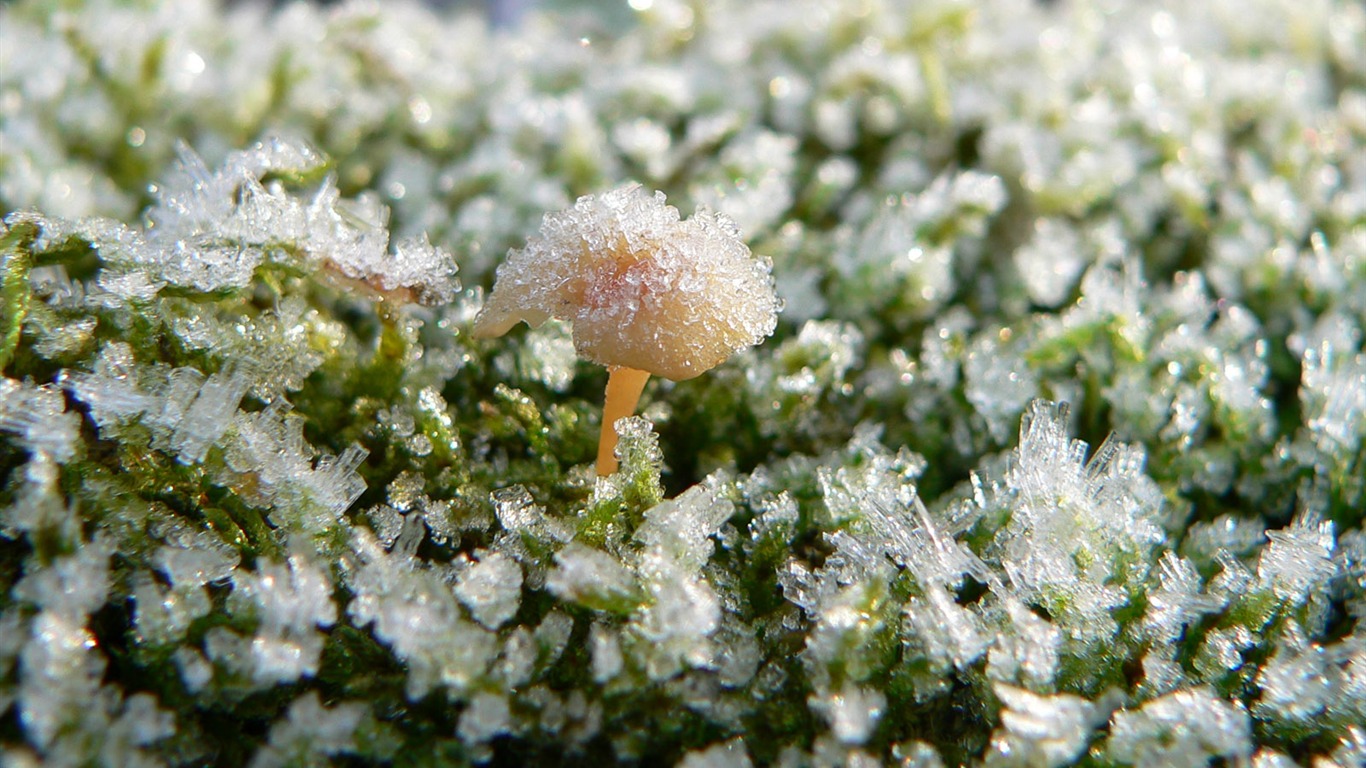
624, 386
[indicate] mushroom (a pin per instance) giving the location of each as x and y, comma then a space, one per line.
646, 292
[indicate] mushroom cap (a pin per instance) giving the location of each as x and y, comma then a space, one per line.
642, 288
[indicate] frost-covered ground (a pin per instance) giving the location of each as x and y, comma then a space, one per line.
1058, 454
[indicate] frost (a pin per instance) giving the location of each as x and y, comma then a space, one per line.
1178, 601
853, 712
417, 615
681, 614
757, 169
310, 732
291, 601
491, 589
38, 417
1073, 518
1186, 728
1042, 730
1150, 211
1027, 651
592, 578
607, 657
187, 411
230, 220
682, 528
729, 754
278, 347
1297, 562
688, 291
1051, 262
163, 614
275, 469
1351, 748
549, 356
999, 384
207, 418
485, 717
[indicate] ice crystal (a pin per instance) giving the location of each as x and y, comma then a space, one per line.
730, 754
310, 732
1042, 730
491, 589
291, 601
593, 578
416, 613
188, 411
38, 417
1074, 517
1186, 728
270, 460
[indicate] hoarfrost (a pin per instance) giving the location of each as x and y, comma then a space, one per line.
1186, 728
187, 411
607, 657
163, 614
415, 612
310, 733
1297, 562
1073, 518
37, 415
593, 578
853, 712
491, 589
210, 230
682, 528
291, 601
486, 716
1042, 730
998, 382
727, 754
1050, 262
273, 468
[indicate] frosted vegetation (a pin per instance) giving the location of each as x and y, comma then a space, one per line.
1057, 454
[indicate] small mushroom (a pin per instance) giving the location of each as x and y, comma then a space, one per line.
646, 292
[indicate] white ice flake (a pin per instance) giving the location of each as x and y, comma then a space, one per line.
275, 469
1073, 518
593, 578
1297, 561
485, 717
210, 230
310, 733
291, 600
415, 612
727, 754
491, 589
852, 712
187, 411
1185, 729
682, 528
1042, 730
37, 415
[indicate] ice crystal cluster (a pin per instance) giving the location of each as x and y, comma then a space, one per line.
1057, 454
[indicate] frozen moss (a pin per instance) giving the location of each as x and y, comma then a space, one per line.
1056, 455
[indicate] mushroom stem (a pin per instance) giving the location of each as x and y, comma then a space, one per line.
624, 386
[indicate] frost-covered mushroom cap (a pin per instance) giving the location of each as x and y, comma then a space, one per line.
643, 288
